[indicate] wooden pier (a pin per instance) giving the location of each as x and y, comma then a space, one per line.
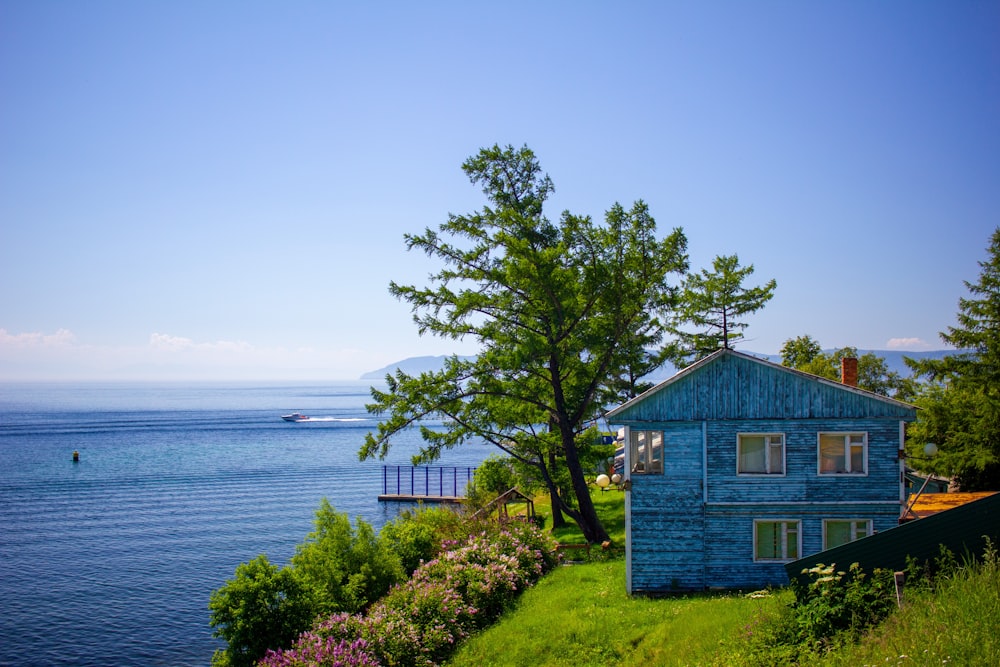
429, 484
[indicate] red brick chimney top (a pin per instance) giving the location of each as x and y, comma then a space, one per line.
849, 371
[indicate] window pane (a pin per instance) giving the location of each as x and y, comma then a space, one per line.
638, 442
792, 543
655, 439
860, 530
767, 540
831, 454
842, 532
857, 458
777, 459
752, 453
837, 533
646, 451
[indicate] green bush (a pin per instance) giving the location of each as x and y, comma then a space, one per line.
262, 607
837, 602
347, 569
337, 568
420, 622
493, 477
418, 536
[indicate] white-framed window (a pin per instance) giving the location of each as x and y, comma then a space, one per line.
646, 452
843, 453
760, 454
776, 540
842, 531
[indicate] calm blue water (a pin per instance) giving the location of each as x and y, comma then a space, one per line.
111, 561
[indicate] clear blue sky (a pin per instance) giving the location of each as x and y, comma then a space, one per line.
220, 189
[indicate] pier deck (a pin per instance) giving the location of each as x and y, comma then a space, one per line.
417, 497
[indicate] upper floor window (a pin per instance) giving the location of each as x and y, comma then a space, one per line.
839, 531
843, 453
646, 452
776, 540
760, 454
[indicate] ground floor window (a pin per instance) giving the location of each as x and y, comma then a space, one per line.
776, 540
840, 531
646, 452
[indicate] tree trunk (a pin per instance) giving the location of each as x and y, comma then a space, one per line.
586, 517
558, 520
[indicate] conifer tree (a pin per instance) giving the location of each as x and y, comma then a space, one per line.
713, 303
960, 406
555, 308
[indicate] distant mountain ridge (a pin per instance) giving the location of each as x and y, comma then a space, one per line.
410, 366
893, 360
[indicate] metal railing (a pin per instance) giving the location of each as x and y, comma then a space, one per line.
426, 481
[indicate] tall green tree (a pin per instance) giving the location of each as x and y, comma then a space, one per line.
712, 305
554, 308
805, 354
960, 407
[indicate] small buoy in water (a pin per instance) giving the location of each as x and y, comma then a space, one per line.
76, 456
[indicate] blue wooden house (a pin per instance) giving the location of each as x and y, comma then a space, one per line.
737, 465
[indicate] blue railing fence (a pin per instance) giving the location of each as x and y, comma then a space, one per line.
426, 481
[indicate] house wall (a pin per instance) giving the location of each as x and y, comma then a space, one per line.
734, 501
801, 481
666, 511
729, 561
678, 541
693, 526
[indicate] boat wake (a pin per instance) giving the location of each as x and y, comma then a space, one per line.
334, 419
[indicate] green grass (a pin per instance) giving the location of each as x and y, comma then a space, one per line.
580, 615
610, 506
958, 624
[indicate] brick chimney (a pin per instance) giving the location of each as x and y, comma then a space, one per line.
849, 371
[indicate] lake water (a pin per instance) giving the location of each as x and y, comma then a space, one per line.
111, 560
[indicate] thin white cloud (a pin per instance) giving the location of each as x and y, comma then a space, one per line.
909, 344
168, 343
59, 356
61, 338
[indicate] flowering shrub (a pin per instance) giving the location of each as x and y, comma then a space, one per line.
487, 587
313, 649
420, 622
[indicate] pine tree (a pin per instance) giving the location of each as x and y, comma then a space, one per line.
555, 307
714, 302
960, 407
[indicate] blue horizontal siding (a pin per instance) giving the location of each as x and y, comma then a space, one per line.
729, 530
801, 482
735, 386
677, 540
667, 517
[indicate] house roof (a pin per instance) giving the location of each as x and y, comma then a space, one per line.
732, 385
933, 503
